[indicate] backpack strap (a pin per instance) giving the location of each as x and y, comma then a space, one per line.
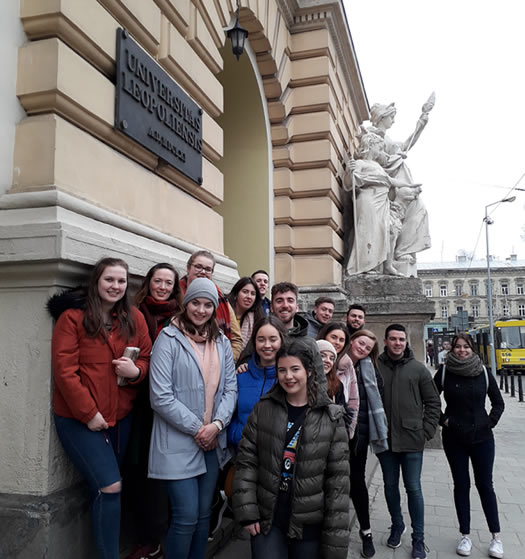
443, 377
486, 377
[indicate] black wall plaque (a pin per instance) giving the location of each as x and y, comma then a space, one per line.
154, 111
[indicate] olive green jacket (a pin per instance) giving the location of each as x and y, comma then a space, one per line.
411, 402
321, 484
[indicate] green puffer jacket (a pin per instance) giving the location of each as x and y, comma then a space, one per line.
321, 477
411, 401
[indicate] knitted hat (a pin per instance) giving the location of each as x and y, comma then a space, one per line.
202, 287
325, 345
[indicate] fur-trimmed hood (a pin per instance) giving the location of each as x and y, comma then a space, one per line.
70, 298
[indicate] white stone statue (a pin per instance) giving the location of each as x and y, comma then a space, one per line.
377, 220
406, 230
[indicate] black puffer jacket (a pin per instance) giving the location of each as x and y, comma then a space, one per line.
321, 477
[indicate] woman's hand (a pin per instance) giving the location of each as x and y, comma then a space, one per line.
97, 423
124, 367
242, 368
206, 436
253, 529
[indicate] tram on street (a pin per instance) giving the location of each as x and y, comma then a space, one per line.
509, 342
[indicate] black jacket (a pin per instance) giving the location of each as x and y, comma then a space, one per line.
465, 399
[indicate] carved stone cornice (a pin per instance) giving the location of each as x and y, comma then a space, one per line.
307, 15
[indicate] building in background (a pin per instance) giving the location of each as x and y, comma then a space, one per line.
460, 286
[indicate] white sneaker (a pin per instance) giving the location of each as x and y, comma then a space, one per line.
496, 548
464, 546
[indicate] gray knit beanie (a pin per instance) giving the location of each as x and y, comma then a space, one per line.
202, 287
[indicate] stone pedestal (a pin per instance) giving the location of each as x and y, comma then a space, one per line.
391, 299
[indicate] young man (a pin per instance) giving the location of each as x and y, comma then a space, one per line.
355, 318
201, 265
284, 307
262, 280
412, 406
321, 314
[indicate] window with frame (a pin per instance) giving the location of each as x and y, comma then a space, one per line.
444, 311
521, 310
459, 309
506, 310
520, 289
475, 311
459, 290
443, 291
474, 289
504, 288
428, 290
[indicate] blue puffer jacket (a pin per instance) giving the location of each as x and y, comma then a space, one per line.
251, 385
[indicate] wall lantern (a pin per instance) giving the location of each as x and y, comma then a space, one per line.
237, 35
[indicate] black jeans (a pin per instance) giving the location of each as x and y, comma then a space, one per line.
358, 489
482, 457
276, 545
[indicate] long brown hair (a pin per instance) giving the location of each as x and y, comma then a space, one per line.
210, 330
256, 308
369, 334
93, 320
144, 291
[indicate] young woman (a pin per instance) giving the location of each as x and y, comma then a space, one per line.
94, 389
193, 390
467, 435
267, 338
337, 334
291, 488
245, 300
159, 299
371, 428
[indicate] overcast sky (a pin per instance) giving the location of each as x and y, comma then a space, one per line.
472, 54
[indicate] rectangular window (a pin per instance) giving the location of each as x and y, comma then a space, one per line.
475, 311
444, 311
474, 289
428, 291
504, 288
443, 292
459, 309
459, 290
520, 289
506, 310
521, 310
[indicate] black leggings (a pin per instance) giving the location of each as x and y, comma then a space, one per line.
358, 489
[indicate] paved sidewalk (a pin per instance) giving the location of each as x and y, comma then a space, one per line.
441, 526
441, 532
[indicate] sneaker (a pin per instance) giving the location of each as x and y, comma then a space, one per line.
150, 551
496, 548
394, 540
217, 511
419, 549
464, 546
368, 549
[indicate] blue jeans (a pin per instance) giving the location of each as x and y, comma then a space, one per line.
190, 502
410, 464
97, 455
276, 545
481, 455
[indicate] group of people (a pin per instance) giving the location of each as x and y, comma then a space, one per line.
188, 382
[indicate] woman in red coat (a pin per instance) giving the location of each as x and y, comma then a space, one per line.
94, 389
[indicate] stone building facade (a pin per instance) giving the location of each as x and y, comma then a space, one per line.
276, 128
463, 285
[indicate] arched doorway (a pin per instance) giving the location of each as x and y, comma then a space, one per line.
246, 166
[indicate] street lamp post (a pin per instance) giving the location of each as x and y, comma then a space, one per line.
488, 221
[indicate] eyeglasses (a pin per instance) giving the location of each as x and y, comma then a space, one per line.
206, 269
